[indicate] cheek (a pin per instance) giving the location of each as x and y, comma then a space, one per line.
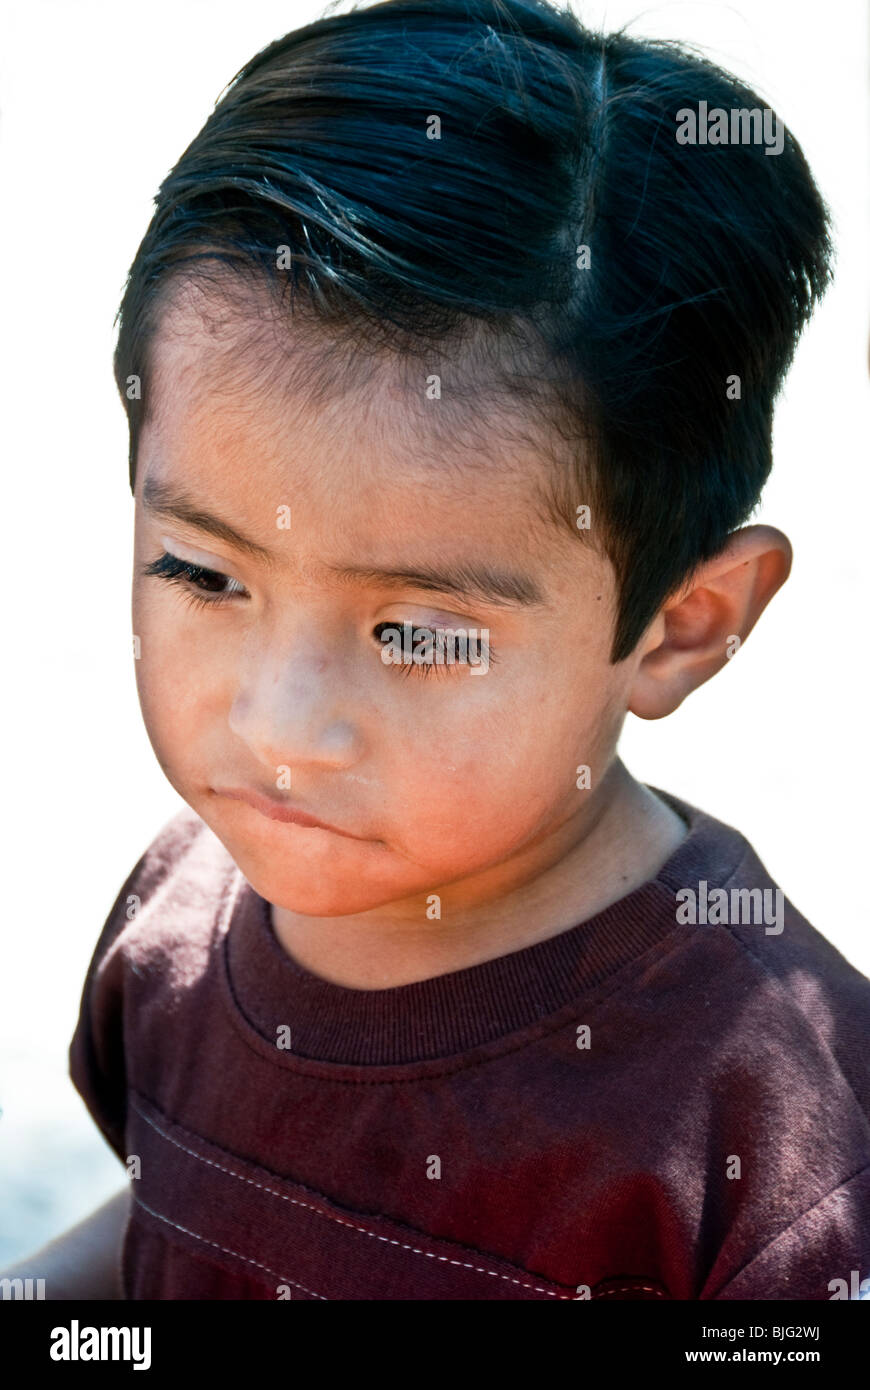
176, 678
477, 788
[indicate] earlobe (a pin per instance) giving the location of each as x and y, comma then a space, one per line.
698, 631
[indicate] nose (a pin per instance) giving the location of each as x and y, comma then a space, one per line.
295, 711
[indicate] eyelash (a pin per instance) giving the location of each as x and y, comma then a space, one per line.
182, 573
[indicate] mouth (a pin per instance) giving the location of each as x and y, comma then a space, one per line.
282, 811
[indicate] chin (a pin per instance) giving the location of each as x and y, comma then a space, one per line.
313, 888
311, 900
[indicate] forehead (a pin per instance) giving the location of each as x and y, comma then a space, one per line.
248, 413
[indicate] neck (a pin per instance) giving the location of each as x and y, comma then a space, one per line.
549, 887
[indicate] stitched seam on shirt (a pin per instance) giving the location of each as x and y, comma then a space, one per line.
785, 1230
630, 1288
328, 1216
225, 1248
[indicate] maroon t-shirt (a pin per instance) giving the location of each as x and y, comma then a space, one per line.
643, 1106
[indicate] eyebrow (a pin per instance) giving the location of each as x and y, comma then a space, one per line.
162, 500
481, 582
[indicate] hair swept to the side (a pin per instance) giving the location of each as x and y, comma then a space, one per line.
705, 261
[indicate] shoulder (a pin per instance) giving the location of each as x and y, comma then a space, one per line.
804, 974
168, 906
184, 847
721, 887
785, 993
154, 943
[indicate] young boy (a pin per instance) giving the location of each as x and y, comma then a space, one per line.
449, 358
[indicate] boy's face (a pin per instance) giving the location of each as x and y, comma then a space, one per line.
444, 777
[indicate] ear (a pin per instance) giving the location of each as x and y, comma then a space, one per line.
694, 633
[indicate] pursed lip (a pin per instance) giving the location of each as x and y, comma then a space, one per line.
281, 810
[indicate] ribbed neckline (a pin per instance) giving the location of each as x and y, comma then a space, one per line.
449, 1014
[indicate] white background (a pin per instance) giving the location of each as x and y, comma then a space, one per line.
97, 101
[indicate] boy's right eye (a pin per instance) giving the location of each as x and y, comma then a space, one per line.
200, 585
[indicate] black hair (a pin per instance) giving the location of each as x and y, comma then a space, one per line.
704, 260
